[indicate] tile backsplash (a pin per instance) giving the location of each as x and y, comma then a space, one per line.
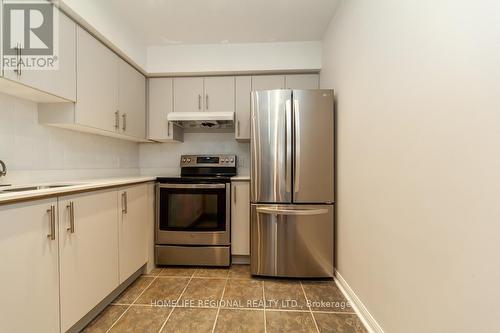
37, 153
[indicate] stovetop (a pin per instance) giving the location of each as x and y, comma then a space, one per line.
193, 180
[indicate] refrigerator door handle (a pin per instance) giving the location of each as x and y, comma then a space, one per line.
301, 212
296, 115
288, 145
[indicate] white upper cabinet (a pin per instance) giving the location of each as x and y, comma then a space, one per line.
111, 95
188, 94
30, 277
160, 104
97, 83
268, 82
61, 82
302, 81
242, 121
219, 93
131, 100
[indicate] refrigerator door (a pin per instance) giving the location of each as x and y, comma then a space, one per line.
271, 146
291, 240
313, 146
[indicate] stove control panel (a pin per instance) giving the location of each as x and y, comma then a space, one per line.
223, 160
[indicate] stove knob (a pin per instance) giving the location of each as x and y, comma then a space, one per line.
232, 160
227, 160
189, 160
183, 160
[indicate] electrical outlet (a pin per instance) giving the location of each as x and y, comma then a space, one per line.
241, 162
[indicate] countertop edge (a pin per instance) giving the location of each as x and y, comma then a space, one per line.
86, 186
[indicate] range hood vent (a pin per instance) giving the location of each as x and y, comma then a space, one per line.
203, 120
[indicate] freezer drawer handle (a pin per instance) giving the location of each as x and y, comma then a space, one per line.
265, 210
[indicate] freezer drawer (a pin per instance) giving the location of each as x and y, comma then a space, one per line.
292, 240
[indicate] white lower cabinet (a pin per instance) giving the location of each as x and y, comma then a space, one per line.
29, 283
89, 269
240, 218
133, 229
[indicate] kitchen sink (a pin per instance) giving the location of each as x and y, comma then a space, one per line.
33, 188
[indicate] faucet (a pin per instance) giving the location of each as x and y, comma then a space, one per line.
3, 170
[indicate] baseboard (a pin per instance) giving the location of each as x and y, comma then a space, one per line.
368, 320
240, 260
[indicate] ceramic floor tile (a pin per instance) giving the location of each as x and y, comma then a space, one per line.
178, 271
105, 319
288, 321
203, 292
339, 323
154, 272
241, 321
282, 294
212, 272
326, 296
130, 294
242, 293
163, 290
141, 319
240, 272
190, 320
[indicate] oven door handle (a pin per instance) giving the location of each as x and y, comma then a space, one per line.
193, 186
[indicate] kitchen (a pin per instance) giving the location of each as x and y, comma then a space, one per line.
183, 168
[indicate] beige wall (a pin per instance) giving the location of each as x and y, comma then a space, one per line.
418, 93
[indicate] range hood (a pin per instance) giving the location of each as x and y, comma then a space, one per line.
203, 120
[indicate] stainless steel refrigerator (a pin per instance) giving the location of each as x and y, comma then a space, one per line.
292, 183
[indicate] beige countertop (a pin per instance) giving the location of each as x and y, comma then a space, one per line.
241, 178
75, 186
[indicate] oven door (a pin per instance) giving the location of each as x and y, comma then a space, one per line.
193, 214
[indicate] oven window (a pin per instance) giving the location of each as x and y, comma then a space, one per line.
192, 209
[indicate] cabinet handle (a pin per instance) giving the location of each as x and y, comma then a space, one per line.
124, 203
117, 120
235, 194
20, 59
199, 102
168, 129
71, 208
124, 125
52, 220
206, 102
238, 125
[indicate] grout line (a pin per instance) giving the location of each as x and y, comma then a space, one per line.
220, 302
264, 298
175, 304
142, 292
310, 311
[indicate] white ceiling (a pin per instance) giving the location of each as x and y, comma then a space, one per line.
167, 22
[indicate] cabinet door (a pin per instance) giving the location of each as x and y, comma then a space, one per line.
132, 229
88, 252
188, 94
219, 94
29, 283
302, 81
240, 218
62, 81
160, 104
243, 89
268, 82
97, 83
131, 100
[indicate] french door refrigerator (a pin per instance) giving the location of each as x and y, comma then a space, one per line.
292, 183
